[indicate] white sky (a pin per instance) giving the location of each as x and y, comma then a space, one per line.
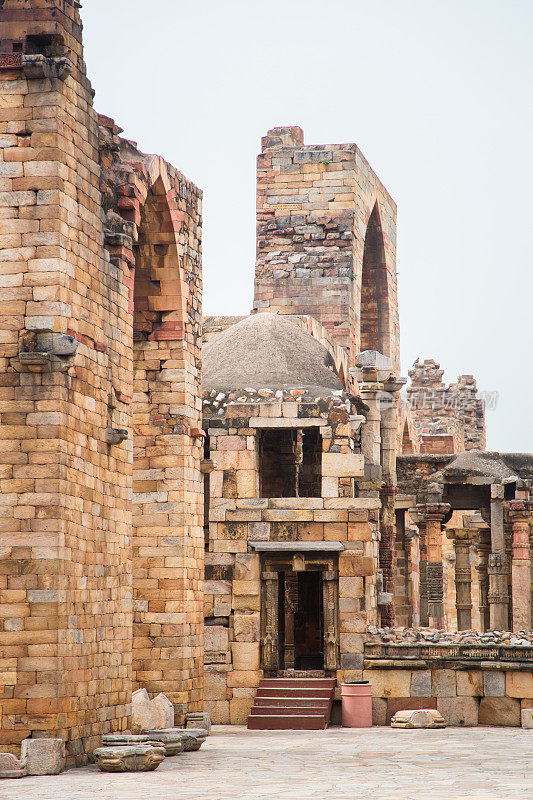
436, 93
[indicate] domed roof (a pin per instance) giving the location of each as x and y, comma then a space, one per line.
267, 351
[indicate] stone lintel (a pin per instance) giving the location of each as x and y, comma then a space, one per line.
297, 547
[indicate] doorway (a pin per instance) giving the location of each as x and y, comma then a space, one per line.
300, 620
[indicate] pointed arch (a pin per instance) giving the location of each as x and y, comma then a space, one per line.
374, 317
158, 296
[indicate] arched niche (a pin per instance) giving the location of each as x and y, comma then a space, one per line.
374, 311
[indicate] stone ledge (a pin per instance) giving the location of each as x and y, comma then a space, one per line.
297, 547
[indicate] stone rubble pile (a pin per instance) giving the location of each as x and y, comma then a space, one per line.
215, 402
433, 636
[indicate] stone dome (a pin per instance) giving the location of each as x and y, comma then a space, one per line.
268, 351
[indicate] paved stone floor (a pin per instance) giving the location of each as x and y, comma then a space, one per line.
377, 763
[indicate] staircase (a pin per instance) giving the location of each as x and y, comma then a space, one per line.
292, 704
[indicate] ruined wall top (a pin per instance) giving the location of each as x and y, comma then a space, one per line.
283, 137
448, 419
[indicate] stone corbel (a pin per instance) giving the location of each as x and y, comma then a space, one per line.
47, 352
39, 66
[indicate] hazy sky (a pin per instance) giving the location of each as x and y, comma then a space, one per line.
436, 93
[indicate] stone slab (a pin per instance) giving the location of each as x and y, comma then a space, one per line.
500, 711
11, 767
129, 758
459, 712
43, 756
297, 547
421, 718
527, 718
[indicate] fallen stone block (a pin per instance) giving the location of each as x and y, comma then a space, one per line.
192, 738
129, 758
422, 718
43, 756
124, 739
149, 714
174, 740
11, 767
198, 719
527, 718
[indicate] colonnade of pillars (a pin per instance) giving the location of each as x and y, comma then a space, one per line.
505, 590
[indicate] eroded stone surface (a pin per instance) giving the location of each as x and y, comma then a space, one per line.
527, 718
129, 758
190, 738
43, 756
200, 719
147, 714
450, 764
11, 767
423, 718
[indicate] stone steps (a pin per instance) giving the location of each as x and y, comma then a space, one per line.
292, 704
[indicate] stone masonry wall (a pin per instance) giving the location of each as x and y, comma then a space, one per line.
448, 419
240, 518
65, 569
465, 697
314, 203
66, 508
153, 229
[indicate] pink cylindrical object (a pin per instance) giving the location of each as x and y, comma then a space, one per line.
356, 699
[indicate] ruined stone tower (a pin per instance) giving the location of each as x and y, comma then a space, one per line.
326, 241
100, 247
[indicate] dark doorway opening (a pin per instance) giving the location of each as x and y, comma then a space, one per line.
301, 620
290, 462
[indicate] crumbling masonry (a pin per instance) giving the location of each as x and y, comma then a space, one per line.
327, 509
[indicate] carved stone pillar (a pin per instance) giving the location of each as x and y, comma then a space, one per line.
269, 621
387, 550
420, 522
497, 564
434, 514
412, 538
331, 616
482, 569
463, 579
520, 512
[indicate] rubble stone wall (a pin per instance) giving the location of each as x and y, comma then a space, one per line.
314, 204
448, 419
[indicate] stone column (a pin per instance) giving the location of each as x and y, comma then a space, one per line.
369, 389
520, 512
497, 564
482, 569
463, 578
413, 574
269, 621
330, 584
434, 514
388, 404
420, 522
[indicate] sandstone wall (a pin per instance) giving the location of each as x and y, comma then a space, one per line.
239, 520
314, 204
66, 519
464, 697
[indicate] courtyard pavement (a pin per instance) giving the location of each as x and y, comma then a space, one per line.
375, 763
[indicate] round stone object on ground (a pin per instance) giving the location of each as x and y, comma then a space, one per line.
129, 758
